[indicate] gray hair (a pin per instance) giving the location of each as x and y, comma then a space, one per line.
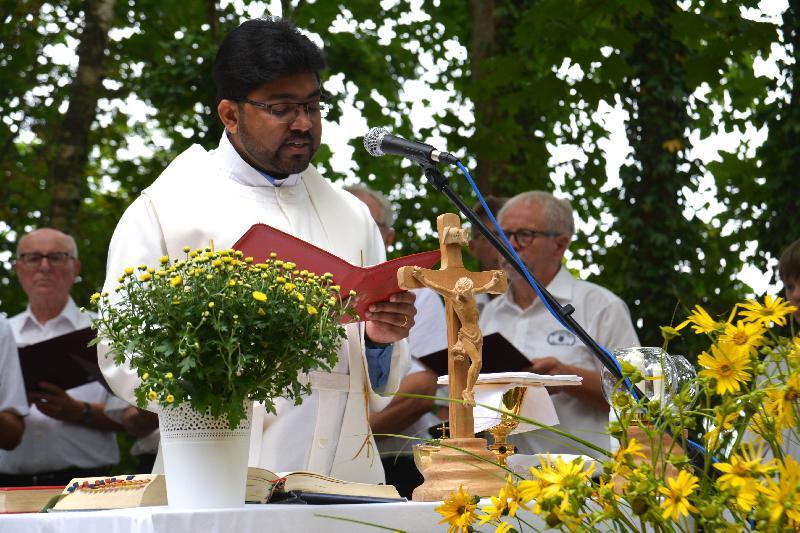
556, 212
387, 209
72, 244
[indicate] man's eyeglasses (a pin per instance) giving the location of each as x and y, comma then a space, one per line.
287, 112
526, 236
32, 259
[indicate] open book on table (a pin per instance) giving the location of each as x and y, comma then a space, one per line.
143, 490
372, 283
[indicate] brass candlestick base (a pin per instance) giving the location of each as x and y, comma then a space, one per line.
512, 403
450, 468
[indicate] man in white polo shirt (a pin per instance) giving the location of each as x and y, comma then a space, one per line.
67, 434
540, 227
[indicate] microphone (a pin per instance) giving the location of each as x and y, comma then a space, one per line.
380, 142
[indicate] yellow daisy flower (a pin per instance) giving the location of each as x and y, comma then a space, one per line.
676, 501
772, 311
722, 422
783, 496
747, 337
780, 403
458, 510
175, 281
701, 322
727, 365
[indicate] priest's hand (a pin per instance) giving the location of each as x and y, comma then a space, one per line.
391, 320
56, 403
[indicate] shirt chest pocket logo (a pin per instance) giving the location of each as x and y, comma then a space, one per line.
561, 337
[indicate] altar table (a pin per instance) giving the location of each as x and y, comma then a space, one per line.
405, 516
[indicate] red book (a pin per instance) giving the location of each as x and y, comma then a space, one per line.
26, 499
372, 284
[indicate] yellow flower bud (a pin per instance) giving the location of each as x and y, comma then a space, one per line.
152, 395
164, 259
128, 271
168, 375
311, 310
175, 281
259, 296
261, 311
211, 305
94, 297
146, 277
145, 376
186, 249
273, 255
170, 398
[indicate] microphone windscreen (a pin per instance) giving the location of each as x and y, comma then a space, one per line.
373, 140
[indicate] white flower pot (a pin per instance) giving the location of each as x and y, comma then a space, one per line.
205, 462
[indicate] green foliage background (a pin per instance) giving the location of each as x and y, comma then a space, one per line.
680, 70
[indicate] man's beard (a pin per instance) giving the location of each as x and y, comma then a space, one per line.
271, 162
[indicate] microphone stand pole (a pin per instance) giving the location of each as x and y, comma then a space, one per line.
438, 180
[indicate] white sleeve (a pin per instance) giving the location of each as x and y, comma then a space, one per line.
138, 239
12, 386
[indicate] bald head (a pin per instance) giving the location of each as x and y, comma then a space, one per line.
50, 233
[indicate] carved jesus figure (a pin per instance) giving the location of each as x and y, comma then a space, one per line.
470, 338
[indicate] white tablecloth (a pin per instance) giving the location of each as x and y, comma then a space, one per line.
416, 517
408, 516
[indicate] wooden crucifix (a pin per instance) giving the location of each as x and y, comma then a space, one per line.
458, 286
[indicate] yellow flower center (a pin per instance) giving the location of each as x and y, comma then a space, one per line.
740, 338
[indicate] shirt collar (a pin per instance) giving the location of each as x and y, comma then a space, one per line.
241, 171
70, 313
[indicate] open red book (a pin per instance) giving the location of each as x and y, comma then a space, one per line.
372, 284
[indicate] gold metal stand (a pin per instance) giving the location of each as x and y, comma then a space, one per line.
512, 403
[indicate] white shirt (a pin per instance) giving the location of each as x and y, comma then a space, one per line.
537, 334
427, 335
49, 444
12, 387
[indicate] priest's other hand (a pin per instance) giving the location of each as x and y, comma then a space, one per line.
390, 321
56, 403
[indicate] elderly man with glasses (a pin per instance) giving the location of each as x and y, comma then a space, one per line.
271, 104
540, 226
67, 434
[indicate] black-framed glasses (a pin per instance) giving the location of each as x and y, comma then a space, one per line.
287, 112
526, 236
32, 259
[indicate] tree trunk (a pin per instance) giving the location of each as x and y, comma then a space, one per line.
482, 47
66, 168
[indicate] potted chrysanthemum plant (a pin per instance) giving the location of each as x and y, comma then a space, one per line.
208, 335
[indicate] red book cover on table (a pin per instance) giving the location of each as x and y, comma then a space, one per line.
372, 283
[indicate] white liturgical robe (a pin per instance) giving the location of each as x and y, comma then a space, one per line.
204, 196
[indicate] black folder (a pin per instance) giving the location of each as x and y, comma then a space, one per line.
499, 355
65, 361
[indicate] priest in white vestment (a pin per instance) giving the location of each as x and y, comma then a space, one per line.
267, 77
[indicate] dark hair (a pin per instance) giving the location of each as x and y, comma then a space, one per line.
494, 203
260, 51
789, 263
